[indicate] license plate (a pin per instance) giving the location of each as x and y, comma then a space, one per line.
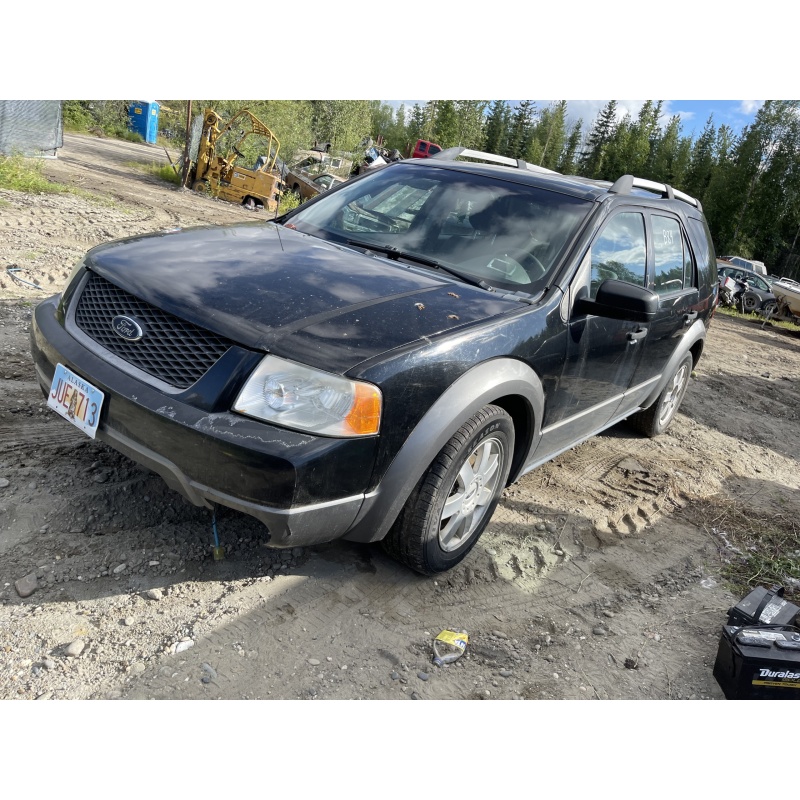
76, 400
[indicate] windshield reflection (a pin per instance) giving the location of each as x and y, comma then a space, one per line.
507, 234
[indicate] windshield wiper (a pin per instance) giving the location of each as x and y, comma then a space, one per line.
394, 254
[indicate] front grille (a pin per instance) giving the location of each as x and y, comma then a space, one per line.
174, 351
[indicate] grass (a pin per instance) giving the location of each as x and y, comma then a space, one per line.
163, 171
732, 312
288, 202
27, 175
126, 135
757, 549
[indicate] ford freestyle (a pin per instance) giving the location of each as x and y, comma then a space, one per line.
381, 362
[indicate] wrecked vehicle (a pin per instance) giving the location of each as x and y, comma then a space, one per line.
235, 160
381, 362
308, 186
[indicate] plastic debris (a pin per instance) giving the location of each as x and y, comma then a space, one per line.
449, 646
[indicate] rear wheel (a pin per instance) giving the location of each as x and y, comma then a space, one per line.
454, 500
202, 187
655, 420
750, 302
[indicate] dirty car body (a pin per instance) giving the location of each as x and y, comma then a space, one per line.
381, 362
306, 186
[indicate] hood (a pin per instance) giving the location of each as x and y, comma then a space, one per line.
285, 292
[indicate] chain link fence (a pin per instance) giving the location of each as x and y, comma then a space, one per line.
31, 127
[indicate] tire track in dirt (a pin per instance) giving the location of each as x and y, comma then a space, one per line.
332, 603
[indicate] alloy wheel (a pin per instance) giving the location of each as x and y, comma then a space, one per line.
471, 494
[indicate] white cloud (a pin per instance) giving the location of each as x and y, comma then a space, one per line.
587, 110
750, 106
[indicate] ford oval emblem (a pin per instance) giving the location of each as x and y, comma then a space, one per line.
128, 328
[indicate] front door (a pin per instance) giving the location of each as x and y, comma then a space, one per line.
602, 354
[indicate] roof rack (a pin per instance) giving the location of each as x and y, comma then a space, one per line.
452, 153
627, 183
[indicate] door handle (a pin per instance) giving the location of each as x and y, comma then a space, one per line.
634, 336
689, 317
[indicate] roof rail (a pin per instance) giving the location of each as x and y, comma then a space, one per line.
452, 153
626, 183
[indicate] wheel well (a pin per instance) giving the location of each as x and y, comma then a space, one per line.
696, 351
522, 416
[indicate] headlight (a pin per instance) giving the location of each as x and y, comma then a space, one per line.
306, 399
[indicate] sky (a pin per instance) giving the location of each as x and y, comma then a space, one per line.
693, 113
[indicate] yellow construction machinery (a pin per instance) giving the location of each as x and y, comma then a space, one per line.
235, 160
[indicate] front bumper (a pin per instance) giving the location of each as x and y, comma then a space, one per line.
305, 489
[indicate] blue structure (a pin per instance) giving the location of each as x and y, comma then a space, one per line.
143, 119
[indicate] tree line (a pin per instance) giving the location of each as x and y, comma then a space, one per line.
748, 183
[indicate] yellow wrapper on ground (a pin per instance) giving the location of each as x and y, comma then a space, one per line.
456, 639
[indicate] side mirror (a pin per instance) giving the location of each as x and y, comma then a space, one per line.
620, 300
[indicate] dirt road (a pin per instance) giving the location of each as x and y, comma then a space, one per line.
598, 577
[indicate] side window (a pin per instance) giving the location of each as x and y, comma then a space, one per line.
619, 252
688, 265
672, 258
704, 251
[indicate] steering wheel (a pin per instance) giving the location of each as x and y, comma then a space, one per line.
388, 221
539, 270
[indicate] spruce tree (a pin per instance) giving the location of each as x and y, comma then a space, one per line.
496, 136
568, 160
601, 133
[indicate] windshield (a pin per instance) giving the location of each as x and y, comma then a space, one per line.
504, 233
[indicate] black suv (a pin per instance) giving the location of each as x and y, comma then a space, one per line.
381, 362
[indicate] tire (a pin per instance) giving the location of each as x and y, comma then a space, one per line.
655, 420
750, 302
454, 500
202, 187
770, 308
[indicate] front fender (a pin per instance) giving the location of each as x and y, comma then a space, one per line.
480, 386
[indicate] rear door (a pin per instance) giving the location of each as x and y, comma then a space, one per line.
674, 277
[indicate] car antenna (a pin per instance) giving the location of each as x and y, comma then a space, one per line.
277, 205
278, 231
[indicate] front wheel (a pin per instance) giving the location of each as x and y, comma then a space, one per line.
454, 500
655, 420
